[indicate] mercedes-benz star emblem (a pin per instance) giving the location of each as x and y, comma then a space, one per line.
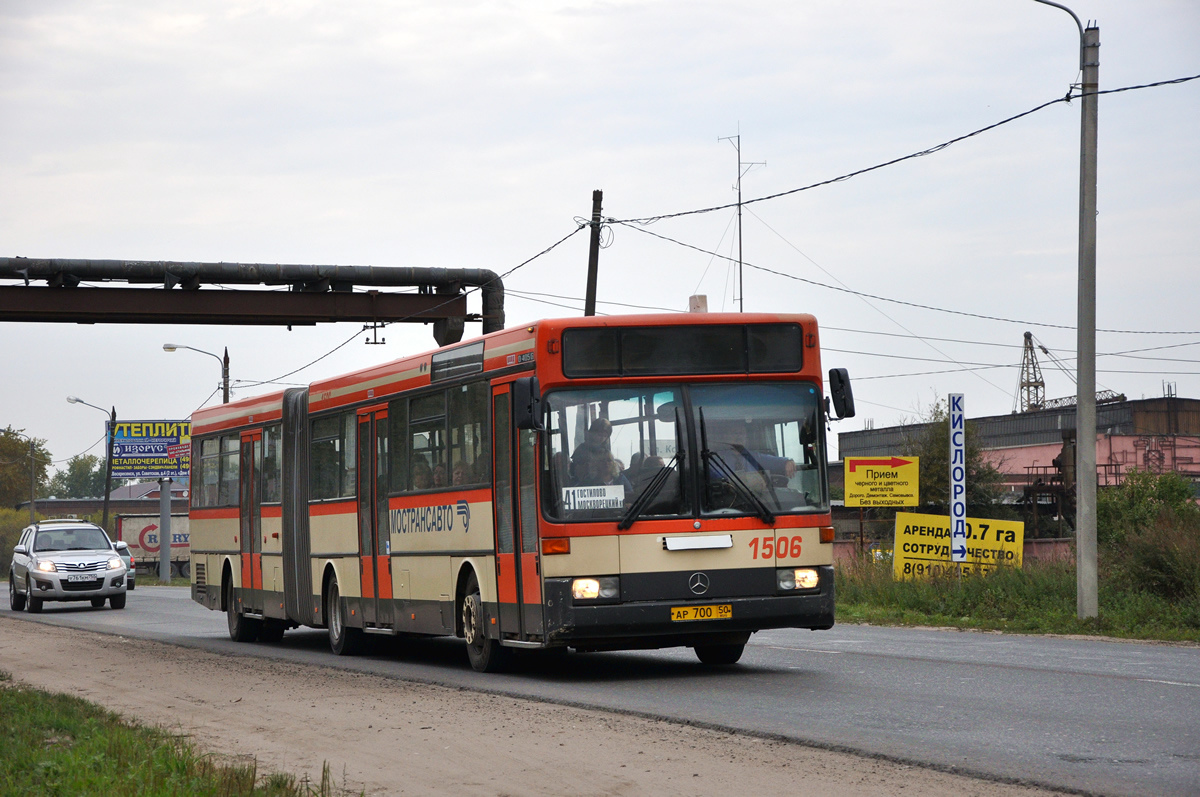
698, 583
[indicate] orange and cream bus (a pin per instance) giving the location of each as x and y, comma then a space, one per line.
593, 483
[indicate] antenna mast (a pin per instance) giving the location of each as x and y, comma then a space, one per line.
743, 168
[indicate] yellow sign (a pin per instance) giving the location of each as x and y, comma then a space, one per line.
882, 481
922, 546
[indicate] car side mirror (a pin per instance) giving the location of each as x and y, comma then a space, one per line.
840, 392
122, 545
21, 549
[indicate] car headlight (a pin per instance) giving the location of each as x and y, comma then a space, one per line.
798, 578
115, 562
590, 589
47, 567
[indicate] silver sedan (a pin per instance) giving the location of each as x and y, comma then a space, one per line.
66, 560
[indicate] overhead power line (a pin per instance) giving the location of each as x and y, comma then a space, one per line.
894, 161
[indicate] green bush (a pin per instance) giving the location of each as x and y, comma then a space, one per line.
1137, 504
11, 523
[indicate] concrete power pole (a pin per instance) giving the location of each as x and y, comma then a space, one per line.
589, 302
1087, 602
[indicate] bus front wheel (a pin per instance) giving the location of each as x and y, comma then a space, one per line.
719, 654
486, 655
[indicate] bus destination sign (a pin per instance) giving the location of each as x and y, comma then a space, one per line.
151, 449
882, 481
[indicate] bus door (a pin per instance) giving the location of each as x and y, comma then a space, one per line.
250, 512
374, 528
518, 567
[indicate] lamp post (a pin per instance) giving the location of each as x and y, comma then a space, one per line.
1086, 597
224, 365
110, 427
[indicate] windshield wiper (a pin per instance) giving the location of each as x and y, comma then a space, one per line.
655, 484
739, 486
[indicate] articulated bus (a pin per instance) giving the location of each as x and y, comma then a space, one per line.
587, 483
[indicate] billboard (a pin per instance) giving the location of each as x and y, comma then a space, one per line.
923, 545
151, 449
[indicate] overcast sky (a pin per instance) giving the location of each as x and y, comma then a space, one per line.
471, 135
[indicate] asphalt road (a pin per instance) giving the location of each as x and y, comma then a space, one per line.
1077, 714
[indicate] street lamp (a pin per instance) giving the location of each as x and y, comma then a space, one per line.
1087, 587
224, 365
111, 427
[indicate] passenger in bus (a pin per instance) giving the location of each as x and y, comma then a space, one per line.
439, 475
593, 462
422, 474
635, 462
596, 471
459, 474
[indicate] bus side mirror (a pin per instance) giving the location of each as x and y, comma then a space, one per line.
840, 392
527, 404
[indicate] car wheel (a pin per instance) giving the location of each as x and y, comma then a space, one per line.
486, 655
97, 603
116, 601
719, 654
32, 605
343, 640
241, 627
130, 583
16, 601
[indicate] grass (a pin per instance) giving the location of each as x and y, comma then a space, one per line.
1036, 599
53, 744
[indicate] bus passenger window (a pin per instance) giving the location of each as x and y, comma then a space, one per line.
326, 458
210, 473
470, 451
230, 447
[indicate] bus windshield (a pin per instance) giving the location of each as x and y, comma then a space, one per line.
759, 449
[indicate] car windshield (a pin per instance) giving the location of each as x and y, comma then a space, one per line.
80, 539
610, 447
623, 453
760, 448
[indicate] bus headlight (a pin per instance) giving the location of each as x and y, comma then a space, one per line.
591, 589
798, 578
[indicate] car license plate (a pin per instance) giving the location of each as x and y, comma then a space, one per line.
716, 611
81, 577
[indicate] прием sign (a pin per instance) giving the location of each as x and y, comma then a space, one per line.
882, 481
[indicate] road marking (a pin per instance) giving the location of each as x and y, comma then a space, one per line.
1168, 683
801, 650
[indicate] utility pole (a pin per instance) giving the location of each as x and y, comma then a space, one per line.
743, 168
225, 377
32, 485
1086, 579
589, 302
108, 444
1087, 586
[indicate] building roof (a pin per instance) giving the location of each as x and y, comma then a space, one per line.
1156, 416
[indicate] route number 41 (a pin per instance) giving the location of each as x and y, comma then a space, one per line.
769, 548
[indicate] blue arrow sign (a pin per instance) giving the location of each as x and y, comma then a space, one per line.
959, 552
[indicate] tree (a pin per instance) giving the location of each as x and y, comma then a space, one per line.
14, 466
83, 477
930, 440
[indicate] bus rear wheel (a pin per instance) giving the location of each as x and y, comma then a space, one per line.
720, 654
241, 627
343, 640
486, 655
